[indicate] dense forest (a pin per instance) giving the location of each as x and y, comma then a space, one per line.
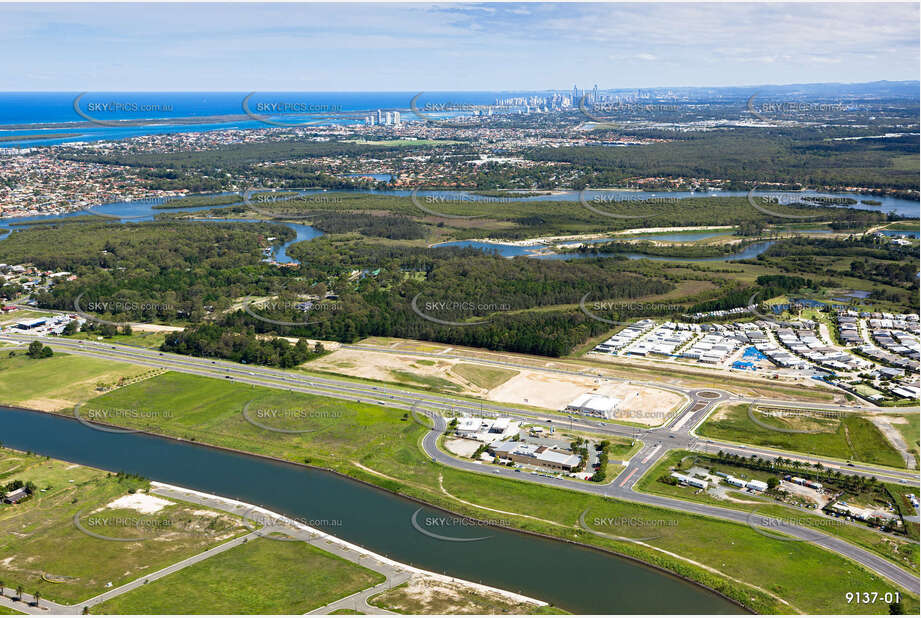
749, 156
239, 346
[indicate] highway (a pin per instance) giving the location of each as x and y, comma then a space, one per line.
689, 417
677, 433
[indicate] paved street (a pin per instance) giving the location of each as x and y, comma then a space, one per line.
622, 487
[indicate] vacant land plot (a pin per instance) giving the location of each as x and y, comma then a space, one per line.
909, 426
554, 391
482, 375
842, 437
632, 369
261, 576
424, 373
151, 337
523, 387
59, 382
426, 595
76, 512
327, 431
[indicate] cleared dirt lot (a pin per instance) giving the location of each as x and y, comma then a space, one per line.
528, 387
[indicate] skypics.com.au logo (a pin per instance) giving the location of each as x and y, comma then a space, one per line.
614, 206
449, 528
473, 309
620, 309
778, 113
616, 114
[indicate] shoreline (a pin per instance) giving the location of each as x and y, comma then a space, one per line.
550, 240
254, 508
604, 550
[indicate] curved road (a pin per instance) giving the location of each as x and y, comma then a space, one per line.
622, 488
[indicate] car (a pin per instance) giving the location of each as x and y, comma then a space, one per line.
228, 377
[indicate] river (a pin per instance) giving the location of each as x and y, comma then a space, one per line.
574, 578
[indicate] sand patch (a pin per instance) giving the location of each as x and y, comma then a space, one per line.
427, 595
462, 446
46, 404
142, 503
639, 404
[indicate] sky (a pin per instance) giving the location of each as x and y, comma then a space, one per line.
464, 46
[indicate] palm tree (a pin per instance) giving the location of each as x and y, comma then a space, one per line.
37, 597
19, 593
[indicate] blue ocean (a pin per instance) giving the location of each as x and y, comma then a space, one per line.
84, 116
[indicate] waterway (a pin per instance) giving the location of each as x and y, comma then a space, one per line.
577, 579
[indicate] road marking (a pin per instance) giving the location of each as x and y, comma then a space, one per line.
627, 478
651, 453
684, 419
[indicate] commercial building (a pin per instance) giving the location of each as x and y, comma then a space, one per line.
599, 406
690, 480
535, 455
486, 429
30, 324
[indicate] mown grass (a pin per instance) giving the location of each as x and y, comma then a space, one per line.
144, 339
61, 380
261, 576
846, 437
376, 438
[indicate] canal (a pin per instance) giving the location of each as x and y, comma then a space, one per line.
577, 579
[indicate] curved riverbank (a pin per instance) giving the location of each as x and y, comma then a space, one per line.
379, 513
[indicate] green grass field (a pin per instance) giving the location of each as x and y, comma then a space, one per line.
261, 576
429, 382
910, 431
44, 550
484, 377
848, 437
376, 445
58, 382
143, 339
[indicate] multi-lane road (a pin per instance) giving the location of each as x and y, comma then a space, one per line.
676, 433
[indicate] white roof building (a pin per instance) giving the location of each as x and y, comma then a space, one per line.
593, 405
